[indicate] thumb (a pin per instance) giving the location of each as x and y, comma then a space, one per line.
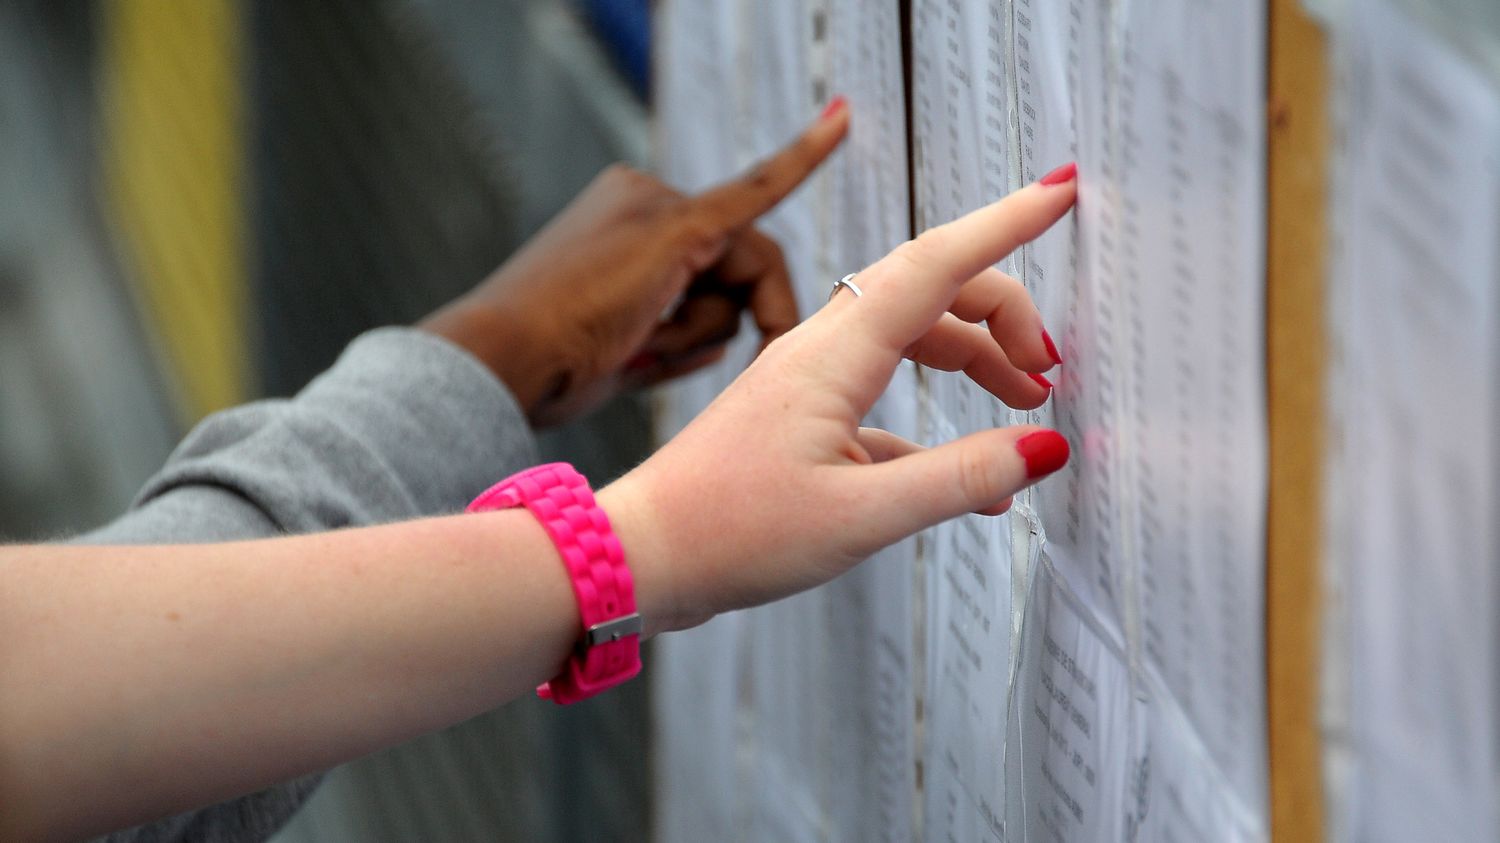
976, 472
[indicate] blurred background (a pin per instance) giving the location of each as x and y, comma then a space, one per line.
202, 202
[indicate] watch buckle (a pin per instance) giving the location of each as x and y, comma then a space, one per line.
614, 629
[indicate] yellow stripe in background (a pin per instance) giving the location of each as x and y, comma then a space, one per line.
172, 104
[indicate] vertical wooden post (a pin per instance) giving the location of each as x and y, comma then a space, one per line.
1296, 266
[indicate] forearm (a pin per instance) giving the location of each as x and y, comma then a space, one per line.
405, 425
144, 680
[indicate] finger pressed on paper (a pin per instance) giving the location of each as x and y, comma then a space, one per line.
974, 473
1002, 303
907, 290
739, 202
954, 345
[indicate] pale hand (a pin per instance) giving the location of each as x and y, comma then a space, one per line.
775, 487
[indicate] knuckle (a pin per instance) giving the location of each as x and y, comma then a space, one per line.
1009, 294
697, 232
927, 251
917, 254
635, 196
934, 242
1012, 288
761, 177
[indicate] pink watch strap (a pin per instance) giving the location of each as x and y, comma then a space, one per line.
609, 651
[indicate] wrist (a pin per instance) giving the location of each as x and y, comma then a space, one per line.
589, 547
513, 348
662, 598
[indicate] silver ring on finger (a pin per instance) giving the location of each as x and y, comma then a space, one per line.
846, 281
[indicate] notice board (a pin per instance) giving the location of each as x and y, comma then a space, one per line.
1155, 643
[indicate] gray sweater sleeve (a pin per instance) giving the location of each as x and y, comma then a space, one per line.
404, 425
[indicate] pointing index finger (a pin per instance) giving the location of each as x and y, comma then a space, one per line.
739, 202
911, 287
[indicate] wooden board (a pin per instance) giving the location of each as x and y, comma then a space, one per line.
1297, 176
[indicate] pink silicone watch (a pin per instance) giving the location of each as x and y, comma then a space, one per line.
609, 651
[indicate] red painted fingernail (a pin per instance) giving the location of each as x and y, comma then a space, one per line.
1062, 175
1040, 381
1044, 452
835, 105
1051, 347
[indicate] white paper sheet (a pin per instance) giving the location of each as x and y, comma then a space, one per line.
1153, 289
961, 159
695, 697
1060, 106
822, 718
853, 651
1411, 540
1176, 793
697, 685
870, 778
968, 672
1185, 163
784, 721
699, 139
959, 110
1096, 753
695, 134
1071, 725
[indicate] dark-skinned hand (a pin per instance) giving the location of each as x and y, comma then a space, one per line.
577, 315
